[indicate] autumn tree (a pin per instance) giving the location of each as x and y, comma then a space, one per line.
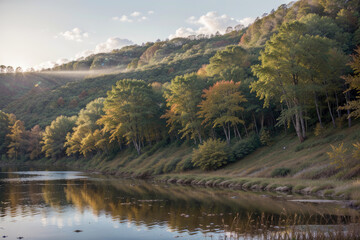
34, 137
4, 130
78, 140
221, 107
130, 109
17, 140
55, 136
183, 97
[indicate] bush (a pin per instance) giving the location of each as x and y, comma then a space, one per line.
265, 137
338, 155
211, 155
244, 147
280, 172
319, 130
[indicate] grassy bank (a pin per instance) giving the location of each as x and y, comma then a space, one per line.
285, 166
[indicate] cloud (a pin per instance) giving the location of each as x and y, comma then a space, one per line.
107, 46
209, 23
112, 43
135, 14
50, 64
123, 18
75, 34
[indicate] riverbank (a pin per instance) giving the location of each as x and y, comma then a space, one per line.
285, 166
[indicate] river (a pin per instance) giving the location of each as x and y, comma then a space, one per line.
74, 205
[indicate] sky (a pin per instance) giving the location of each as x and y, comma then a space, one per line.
40, 33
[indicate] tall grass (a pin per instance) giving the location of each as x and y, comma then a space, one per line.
292, 227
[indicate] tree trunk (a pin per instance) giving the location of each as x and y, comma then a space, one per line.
318, 110
237, 130
226, 134
137, 146
337, 105
256, 128
302, 123
298, 127
347, 98
330, 110
262, 120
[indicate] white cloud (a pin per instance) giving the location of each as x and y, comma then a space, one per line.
125, 18
75, 34
50, 64
135, 14
210, 23
112, 43
107, 46
143, 18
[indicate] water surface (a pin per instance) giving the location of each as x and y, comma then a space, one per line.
74, 205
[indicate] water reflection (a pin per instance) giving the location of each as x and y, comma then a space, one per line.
54, 204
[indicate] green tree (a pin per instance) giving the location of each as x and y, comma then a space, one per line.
55, 136
183, 96
130, 109
294, 66
221, 106
232, 63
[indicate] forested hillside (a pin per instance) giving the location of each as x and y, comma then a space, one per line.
294, 71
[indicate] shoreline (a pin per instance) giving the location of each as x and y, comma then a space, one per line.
316, 188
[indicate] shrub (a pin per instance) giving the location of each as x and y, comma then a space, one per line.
280, 172
337, 155
244, 147
211, 155
319, 130
356, 151
265, 137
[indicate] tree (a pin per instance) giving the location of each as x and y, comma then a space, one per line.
130, 109
4, 131
18, 70
294, 66
280, 73
232, 63
183, 97
34, 142
85, 126
16, 136
354, 84
2, 68
9, 69
221, 106
55, 136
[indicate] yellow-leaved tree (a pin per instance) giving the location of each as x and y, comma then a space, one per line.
221, 107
